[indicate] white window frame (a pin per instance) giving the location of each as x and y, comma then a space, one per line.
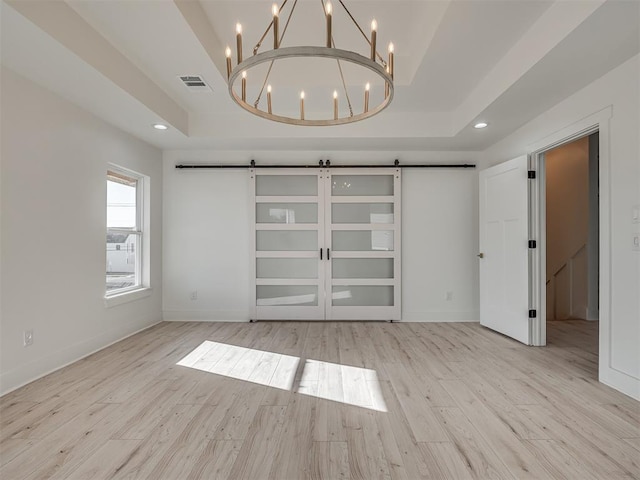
141, 287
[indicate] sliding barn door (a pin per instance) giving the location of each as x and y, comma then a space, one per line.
363, 232
289, 233
327, 244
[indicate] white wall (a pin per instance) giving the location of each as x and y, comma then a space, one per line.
620, 324
206, 235
53, 227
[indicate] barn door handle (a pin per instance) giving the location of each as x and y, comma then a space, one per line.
328, 254
480, 255
320, 254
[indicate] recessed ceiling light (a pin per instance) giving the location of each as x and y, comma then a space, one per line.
159, 126
481, 125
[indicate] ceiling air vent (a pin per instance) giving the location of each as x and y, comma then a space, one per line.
195, 83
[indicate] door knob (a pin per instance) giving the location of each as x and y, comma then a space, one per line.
481, 255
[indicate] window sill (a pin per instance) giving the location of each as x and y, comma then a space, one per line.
126, 297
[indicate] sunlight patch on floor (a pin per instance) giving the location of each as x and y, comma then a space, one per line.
257, 366
342, 383
330, 381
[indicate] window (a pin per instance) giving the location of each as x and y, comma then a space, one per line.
124, 231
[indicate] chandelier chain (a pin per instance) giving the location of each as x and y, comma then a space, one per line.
266, 32
284, 30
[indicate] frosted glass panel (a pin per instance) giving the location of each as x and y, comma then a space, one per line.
362, 240
362, 296
293, 295
271, 185
286, 213
287, 268
362, 213
282, 240
362, 185
362, 267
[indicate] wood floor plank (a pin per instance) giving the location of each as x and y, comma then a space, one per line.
70, 453
423, 422
481, 459
499, 434
256, 456
325, 400
33, 458
189, 446
216, 460
446, 457
558, 460
157, 444
10, 448
592, 456
294, 449
104, 462
329, 461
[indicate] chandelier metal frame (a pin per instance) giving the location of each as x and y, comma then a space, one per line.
382, 69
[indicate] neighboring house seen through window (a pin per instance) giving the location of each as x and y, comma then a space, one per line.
124, 231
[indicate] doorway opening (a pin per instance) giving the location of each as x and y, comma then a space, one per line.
571, 198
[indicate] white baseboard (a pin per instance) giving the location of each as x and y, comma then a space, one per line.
41, 367
435, 317
620, 381
243, 316
205, 316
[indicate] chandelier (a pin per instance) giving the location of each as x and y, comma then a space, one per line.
373, 65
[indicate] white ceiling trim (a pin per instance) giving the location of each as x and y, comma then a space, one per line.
71, 30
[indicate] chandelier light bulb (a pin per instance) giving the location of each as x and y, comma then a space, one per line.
335, 94
275, 10
302, 95
239, 42
328, 9
366, 97
391, 48
244, 85
374, 34
227, 53
268, 88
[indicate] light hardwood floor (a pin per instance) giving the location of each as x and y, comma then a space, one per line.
450, 401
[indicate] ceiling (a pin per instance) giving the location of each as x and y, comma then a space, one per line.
457, 62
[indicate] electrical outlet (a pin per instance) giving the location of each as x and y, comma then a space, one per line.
449, 296
28, 338
194, 295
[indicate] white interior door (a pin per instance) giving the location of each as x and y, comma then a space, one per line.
504, 271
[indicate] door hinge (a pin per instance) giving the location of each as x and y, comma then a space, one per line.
532, 244
533, 313
531, 174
